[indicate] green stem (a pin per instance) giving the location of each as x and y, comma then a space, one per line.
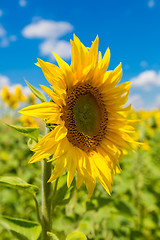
46, 200
37, 209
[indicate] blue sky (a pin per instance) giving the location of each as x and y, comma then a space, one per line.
31, 29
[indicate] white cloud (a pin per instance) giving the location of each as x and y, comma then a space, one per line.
140, 99
143, 64
47, 29
146, 80
22, 3
151, 3
1, 12
13, 38
4, 80
50, 32
4, 38
136, 101
140, 102
157, 102
4, 42
61, 48
2, 31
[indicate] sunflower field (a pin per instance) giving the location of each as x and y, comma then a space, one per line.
95, 173
131, 212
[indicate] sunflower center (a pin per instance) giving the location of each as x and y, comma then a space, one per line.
86, 114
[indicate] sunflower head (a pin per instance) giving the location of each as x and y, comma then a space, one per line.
9, 98
19, 95
6, 95
87, 108
28, 121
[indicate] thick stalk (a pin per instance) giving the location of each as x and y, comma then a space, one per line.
46, 200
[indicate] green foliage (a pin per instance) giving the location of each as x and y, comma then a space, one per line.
38, 94
18, 183
26, 131
63, 193
14, 157
131, 213
76, 236
20, 228
52, 236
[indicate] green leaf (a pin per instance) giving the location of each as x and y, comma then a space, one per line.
84, 226
36, 92
52, 236
76, 236
149, 223
18, 183
31, 142
63, 194
59, 222
26, 131
125, 208
20, 228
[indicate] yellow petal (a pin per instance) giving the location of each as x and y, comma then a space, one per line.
42, 110
117, 74
52, 95
80, 56
53, 74
106, 185
112, 138
71, 165
37, 64
109, 155
61, 149
75, 57
62, 64
61, 133
94, 52
101, 164
99, 59
43, 143
40, 155
55, 119
79, 179
105, 61
65, 68
90, 185
60, 166
116, 91
88, 164
81, 166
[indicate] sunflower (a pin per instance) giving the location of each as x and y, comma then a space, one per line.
28, 121
9, 98
6, 95
32, 98
87, 109
19, 95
